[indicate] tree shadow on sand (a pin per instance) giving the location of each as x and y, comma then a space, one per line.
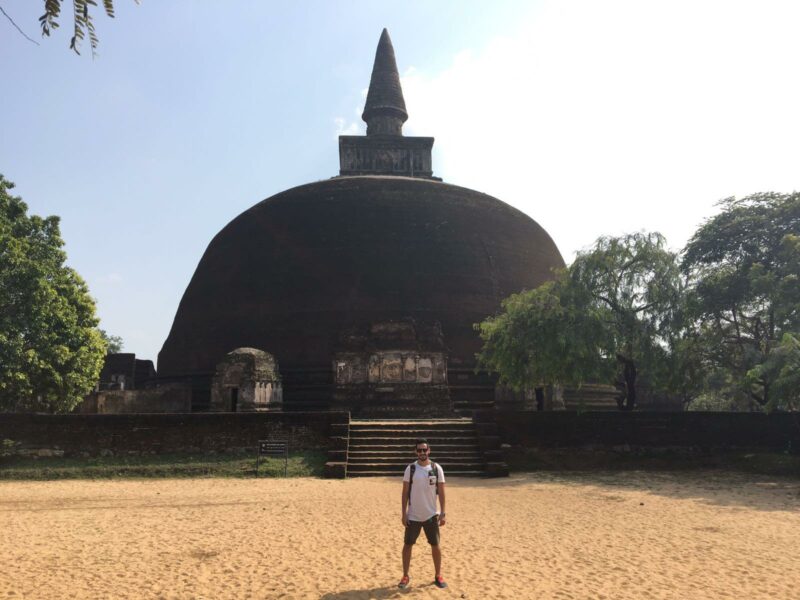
713, 487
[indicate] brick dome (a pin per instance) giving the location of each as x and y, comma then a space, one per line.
293, 272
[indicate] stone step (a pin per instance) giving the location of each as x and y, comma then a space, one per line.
363, 431
384, 446
400, 469
412, 434
390, 473
382, 451
404, 450
445, 460
403, 460
413, 428
405, 455
408, 446
436, 446
406, 421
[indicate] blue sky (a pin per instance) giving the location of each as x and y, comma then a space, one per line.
592, 117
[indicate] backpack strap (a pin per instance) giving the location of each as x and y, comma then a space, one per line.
411, 480
436, 475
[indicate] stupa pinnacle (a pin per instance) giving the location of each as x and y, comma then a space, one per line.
385, 109
384, 150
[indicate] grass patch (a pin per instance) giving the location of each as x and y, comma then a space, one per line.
301, 464
644, 459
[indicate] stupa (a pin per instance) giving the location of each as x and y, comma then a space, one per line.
364, 287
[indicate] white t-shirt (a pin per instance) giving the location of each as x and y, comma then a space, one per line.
422, 504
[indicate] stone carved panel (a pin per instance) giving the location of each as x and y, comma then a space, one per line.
374, 372
264, 392
390, 367
425, 370
358, 372
410, 369
349, 368
399, 155
439, 368
342, 370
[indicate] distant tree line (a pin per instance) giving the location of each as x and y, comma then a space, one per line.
716, 325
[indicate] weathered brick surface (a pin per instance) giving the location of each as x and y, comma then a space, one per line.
699, 430
76, 434
347, 252
163, 399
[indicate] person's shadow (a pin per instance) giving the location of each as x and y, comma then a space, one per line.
376, 593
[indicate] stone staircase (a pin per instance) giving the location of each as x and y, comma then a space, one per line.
384, 447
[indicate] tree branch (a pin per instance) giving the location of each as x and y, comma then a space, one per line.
644, 307
17, 26
608, 301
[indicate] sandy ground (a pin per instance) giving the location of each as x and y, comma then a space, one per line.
623, 535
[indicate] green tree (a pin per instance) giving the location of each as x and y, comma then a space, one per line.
113, 342
51, 351
782, 369
610, 316
745, 268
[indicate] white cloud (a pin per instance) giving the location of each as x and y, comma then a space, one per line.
346, 127
354, 125
608, 117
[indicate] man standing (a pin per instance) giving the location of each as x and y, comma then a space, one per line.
423, 482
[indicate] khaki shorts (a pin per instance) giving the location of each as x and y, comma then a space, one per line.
431, 527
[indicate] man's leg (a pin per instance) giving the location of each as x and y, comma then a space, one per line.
406, 558
436, 552
410, 537
432, 533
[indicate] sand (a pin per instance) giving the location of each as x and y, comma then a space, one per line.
623, 535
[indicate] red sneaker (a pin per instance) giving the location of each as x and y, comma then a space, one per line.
404, 582
439, 582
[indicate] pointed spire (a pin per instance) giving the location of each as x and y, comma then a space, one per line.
385, 109
384, 150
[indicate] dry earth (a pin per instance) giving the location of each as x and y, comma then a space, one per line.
621, 535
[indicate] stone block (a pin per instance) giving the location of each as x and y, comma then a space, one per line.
337, 455
489, 442
339, 443
496, 469
486, 429
49, 453
340, 429
493, 455
335, 470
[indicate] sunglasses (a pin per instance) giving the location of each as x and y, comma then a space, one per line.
422, 450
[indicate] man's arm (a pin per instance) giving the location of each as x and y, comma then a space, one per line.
440, 487
404, 503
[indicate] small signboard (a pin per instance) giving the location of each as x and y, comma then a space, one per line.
275, 447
